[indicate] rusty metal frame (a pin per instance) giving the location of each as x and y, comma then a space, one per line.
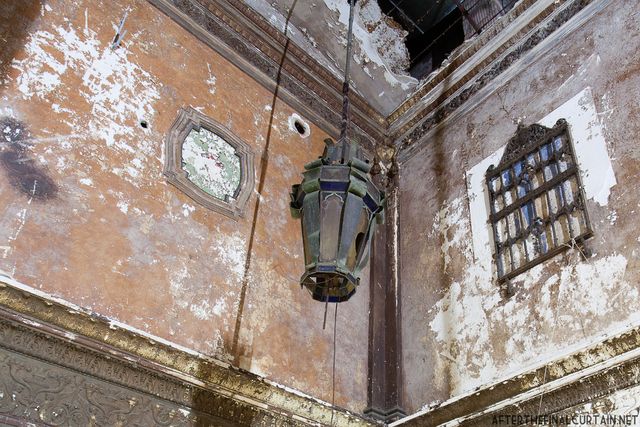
527, 143
188, 120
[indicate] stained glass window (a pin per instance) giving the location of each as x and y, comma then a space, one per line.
536, 199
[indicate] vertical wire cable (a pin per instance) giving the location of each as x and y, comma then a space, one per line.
333, 379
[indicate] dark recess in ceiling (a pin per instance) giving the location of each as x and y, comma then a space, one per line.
436, 27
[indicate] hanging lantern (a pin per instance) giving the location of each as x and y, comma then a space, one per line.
337, 203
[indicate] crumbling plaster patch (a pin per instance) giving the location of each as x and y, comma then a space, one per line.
380, 57
470, 319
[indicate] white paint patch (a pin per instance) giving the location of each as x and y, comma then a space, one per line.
86, 181
587, 133
119, 93
450, 218
220, 306
123, 206
202, 310
211, 81
232, 252
187, 210
384, 45
5, 250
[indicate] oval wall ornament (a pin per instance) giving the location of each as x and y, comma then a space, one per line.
209, 163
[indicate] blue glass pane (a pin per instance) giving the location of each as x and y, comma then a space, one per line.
522, 190
546, 152
528, 213
561, 201
544, 247
518, 168
506, 178
557, 143
495, 185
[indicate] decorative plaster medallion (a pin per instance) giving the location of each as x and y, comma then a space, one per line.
209, 163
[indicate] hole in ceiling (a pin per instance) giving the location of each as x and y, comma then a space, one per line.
436, 28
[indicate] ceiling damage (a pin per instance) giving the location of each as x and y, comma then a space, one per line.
379, 52
396, 42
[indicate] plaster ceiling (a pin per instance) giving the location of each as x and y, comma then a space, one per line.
380, 57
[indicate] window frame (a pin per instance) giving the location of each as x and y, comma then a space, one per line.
527, 143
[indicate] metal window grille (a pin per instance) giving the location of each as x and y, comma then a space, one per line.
536, 199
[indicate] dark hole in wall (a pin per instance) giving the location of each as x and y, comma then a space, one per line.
23, 172
300, 127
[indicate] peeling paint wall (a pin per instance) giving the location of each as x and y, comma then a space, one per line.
457, 328
86, 214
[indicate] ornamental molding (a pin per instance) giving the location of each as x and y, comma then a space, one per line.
557, 387
62, 365
471, 80
188, 120
251, 43
59, 362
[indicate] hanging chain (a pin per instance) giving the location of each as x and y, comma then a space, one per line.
345, 85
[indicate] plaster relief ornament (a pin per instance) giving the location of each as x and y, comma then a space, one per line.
209, 163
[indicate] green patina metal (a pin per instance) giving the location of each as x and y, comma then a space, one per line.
337, 203
211, 163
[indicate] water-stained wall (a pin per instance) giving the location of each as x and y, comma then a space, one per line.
86, 214
459, 332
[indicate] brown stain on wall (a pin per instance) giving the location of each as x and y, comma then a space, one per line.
23, 172
120, 241
17, 18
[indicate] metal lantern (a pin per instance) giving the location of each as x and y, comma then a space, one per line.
337, 203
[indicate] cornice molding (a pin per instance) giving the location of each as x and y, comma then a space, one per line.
592, 373
251, 43
544, 29
467, 61
85, 344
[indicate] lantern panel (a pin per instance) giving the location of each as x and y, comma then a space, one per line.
330, 222
354, 224
311, 227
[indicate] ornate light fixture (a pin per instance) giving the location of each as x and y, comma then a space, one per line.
337, 203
